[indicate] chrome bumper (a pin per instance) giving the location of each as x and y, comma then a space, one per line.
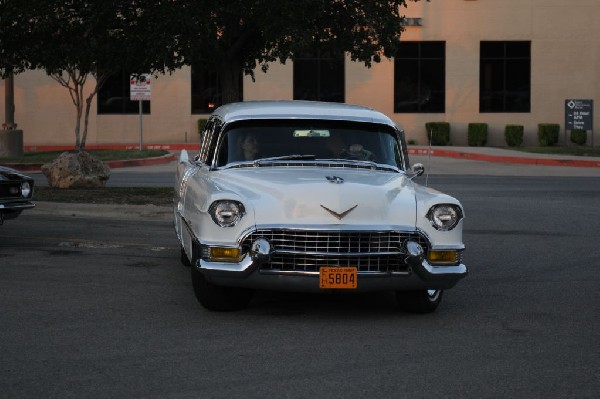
247, 274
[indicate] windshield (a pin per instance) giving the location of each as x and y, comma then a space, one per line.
293, 139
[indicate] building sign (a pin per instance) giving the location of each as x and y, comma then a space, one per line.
139, 87
579, 114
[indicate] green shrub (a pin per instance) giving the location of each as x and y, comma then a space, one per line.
201, 124
477, 134
579, 136
548, 133
438, 132
513, 135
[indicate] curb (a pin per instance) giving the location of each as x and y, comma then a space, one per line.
472, 156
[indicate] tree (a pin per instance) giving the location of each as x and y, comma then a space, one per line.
73, 40
238, 36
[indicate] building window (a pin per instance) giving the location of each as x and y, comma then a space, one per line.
207, 92
420, 77
319, 76
113, 97
505, 77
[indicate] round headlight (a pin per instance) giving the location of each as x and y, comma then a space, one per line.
444, 217
25, 189
226, 213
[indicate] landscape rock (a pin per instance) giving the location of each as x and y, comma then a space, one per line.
76, 170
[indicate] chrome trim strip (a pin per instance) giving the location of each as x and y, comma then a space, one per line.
339, 254
19, 206
303, 273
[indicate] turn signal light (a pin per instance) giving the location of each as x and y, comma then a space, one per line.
442, 257
221, 253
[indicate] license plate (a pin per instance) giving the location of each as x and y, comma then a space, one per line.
338, 277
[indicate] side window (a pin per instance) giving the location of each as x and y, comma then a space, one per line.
420, 77
209, 143
207, 93
505, 76
204, 137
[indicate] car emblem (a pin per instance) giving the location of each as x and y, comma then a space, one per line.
335, 179
339, 215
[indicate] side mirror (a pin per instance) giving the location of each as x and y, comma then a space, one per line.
418, 169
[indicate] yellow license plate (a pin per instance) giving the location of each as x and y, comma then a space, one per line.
338, 277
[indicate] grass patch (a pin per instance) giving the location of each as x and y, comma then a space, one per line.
103, 155
160, 196
557, 150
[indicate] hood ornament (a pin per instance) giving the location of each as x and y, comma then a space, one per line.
335, 179
339, 215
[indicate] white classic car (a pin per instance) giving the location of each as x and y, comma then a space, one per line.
307, 196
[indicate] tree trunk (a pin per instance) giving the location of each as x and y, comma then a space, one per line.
11, 139
88, 103
230, 74
9, 103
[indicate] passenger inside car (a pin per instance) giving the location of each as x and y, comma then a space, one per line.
248, 147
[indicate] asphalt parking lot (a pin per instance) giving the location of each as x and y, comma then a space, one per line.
96, 304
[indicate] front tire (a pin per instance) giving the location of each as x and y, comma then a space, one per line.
184, 259
217, 298
419, 301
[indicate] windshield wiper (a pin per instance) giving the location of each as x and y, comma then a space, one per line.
293, 157
360, 162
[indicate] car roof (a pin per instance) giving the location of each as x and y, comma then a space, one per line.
299, 110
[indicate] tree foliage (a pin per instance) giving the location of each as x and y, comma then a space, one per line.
240, 35
74, 39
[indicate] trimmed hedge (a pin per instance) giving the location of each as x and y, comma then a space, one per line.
548, 133
438, 133
579, 136
513, 135
477, 134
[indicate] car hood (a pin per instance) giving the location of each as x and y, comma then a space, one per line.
7, 173
320, 196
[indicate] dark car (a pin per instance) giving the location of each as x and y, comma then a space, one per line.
16, 192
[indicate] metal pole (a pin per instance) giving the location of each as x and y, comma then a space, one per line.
141, 127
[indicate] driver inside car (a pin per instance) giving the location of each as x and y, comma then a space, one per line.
357, 152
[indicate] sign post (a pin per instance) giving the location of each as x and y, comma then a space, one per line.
579, 114
140, 90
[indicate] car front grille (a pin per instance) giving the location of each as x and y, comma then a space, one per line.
308, 250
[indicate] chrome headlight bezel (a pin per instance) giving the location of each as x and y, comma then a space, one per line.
227, 213
444, 217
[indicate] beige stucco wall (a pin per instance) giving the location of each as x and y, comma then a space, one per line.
565, 64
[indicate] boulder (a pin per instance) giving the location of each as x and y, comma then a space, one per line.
76, 170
